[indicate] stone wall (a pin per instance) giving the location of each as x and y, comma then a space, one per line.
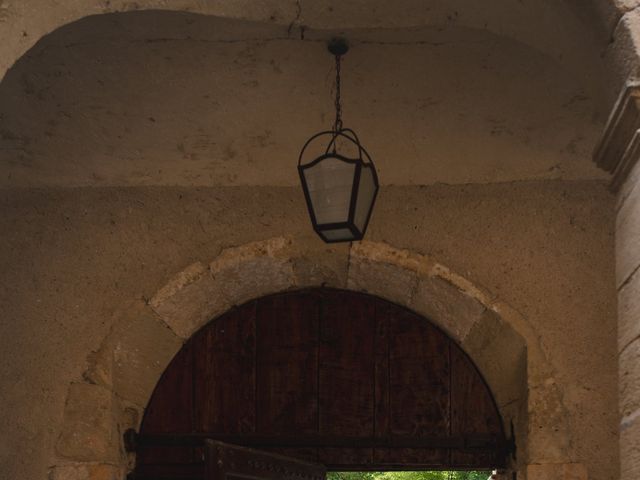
628, 283
90, 277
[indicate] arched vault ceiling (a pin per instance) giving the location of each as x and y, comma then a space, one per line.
165, 98
564, 29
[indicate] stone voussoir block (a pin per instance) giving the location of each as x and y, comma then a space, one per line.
629, 378
549, 439
629, 312
500, 353
387, 272
254, 270
446, 305
189, 300
141, 346
89, 431
628, 235
380, 252
630, 447
318, 264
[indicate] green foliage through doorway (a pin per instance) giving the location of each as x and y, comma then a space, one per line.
425, 475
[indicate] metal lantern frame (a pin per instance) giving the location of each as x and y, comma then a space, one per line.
331, 152
353, 221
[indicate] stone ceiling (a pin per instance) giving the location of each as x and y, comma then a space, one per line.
167, 98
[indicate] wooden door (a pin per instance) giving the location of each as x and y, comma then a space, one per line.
224, 461
329, 376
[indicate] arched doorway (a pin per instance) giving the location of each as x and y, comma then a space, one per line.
341, 378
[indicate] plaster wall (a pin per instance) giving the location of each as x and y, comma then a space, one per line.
73, 259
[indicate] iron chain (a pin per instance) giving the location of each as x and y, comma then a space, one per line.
337, 126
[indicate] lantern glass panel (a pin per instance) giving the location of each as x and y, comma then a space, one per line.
366, 195
329, 183
339, 234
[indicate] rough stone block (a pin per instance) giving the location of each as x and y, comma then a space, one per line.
382, 279
628, 237
630, 448
380, 252
319, 264
629, 378
447, 306
142, 346
86, 472
555, 471
189, 300
631, 182
100, 367
626, 5
622, 55
629, 312
549, 438
89, 431
501, 355
254, 270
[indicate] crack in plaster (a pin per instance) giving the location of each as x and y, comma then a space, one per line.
264, 40
296, 21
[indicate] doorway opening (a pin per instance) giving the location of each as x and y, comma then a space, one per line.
413, 475
344, 381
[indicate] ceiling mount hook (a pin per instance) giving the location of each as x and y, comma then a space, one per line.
338, 46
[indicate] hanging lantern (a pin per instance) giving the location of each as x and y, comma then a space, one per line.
340, 185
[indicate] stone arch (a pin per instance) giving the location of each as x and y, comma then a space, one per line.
569, 37
123, 372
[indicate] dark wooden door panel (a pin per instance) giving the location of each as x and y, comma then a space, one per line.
362, 383
469, 393
287, 367
346, 364
171, 411
224, 373
418, 385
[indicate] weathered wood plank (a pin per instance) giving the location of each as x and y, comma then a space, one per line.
472, 408
381, 377
418, 385
287, 366
224, 373
170, 411
346, 364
